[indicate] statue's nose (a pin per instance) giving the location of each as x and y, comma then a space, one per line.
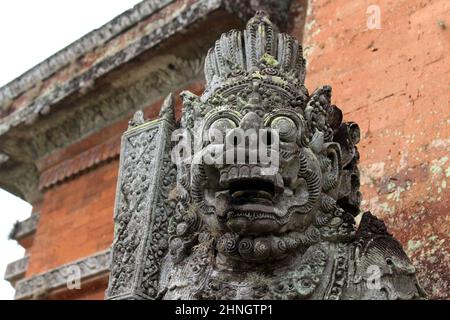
251, 121
246, 135
244, 139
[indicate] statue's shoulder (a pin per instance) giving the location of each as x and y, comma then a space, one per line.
380, 268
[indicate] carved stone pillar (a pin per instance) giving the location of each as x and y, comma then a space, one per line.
142, 207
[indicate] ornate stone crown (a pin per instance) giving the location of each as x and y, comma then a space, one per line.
258, 53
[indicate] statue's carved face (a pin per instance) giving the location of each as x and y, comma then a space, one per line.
280, 167
248, 199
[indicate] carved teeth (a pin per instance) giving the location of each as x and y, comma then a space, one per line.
255, 172
244, 172
253, 215
237, 172
233, 173
253, 194
224, 178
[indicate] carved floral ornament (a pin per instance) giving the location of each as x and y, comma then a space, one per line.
231, 229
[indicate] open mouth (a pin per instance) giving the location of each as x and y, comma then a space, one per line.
258, 191
249, 177
250, 195
252, 199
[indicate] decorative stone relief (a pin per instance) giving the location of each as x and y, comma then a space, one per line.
24, 180
41, 284
142, 209
240, 230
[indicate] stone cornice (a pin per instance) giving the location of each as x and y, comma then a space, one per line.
42, 104
16, 270
25, 227
191, 12
113, 28
85, 95
80, 47
41, 284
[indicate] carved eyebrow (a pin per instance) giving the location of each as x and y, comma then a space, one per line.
291, 114
220, 114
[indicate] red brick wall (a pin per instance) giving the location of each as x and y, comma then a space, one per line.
76, 219
395, 82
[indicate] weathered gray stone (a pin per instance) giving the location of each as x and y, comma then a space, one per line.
239, 231
142, 206
16, 270
24, 228
40, 285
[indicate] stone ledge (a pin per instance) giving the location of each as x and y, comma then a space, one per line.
16, 270
41, 284
160, 31
24, 228
80, 47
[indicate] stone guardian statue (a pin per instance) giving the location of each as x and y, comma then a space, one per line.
264, 206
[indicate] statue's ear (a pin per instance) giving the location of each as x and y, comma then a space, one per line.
333, 169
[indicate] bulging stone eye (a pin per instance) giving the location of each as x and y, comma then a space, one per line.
219, 129
286, 127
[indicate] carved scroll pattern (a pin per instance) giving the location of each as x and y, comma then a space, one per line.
158, 243
40, 285
145, 179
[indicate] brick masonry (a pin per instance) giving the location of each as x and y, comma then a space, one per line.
393, 81
76, 219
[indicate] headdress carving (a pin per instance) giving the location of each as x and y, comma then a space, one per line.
259, 49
